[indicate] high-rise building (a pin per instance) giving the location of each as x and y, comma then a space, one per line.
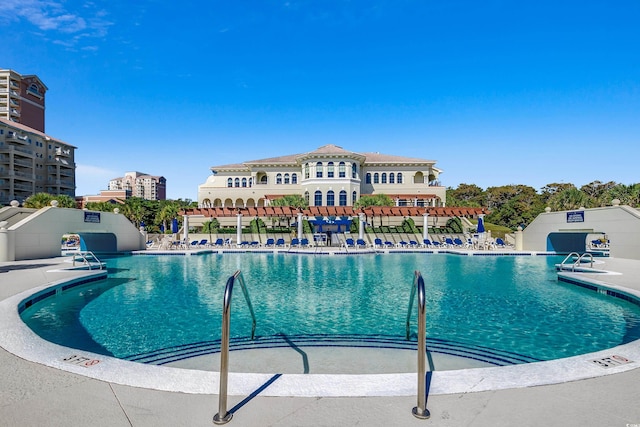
33, 162
30, 160
22, 99
141, 185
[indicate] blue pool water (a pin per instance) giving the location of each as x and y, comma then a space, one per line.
505, 303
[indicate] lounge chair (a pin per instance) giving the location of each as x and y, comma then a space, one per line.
350, 243
203, 242
361, 243
270, 243
304, 242
448, 241
458, 243
499, 243
389, 244
295, 242
402, 244
413, 243
280, 243
377, 243
426, 243
219, 243
437, 244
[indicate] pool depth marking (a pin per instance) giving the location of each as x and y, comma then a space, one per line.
611, 361
85, 362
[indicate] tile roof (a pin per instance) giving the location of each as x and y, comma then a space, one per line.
31, 130
288, 211
329, 149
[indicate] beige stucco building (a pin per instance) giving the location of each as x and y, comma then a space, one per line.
328, 176
139, 184
33, 162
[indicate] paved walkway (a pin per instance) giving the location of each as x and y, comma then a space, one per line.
32, 394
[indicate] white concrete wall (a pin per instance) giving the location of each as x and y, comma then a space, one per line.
621, 224
40, 234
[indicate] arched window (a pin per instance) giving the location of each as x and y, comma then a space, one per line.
330, 170
368, 179
384, 177
343, 198
306, 171
376, 178
399, 177
354, 198
330, 198
263, 179
306, 197
354, 170
286, 178
237, 182
392, 178
250, 182
294, 178
244, 182
230, 182
319, 170
317, 199
279, 178
341, 170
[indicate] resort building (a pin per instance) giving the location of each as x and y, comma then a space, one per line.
33, 162
328, 176
138, 184
22, 99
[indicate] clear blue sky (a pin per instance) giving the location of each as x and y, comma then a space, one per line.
497, 92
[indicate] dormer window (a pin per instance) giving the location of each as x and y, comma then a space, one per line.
34, 90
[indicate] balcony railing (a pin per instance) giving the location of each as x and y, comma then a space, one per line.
23, 187
27, 176
22, 162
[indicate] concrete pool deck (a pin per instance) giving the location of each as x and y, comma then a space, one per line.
32, 393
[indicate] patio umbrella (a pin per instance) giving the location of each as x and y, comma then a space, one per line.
481, 231
174, 225
480, 225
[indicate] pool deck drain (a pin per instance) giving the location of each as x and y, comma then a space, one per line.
34, 394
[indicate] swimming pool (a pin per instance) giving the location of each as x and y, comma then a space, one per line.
152, 306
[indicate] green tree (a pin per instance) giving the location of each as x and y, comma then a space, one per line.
374, 200
211, 226
293, 200
42, 200
166, 212
570, 199
467, 195
102, 206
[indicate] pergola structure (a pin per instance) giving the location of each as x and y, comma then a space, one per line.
370, 213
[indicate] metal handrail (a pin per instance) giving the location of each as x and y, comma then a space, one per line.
85, 260
420, 411
578, 260
223, 416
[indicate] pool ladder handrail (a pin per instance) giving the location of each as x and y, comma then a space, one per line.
223, 416
578, 260
84, 256
420, 411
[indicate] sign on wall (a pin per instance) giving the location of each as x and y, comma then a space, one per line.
92, 217
576, 216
